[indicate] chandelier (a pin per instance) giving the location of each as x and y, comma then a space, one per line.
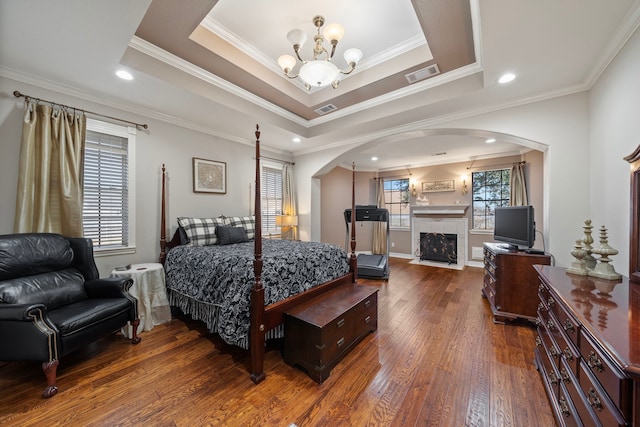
319, 71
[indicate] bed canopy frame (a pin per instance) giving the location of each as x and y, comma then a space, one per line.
265, 318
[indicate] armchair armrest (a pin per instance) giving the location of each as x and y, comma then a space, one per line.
109, 287
20, 312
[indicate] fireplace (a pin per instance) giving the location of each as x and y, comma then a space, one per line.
423, 221
441, 247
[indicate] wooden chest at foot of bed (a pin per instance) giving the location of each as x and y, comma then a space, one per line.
321, 331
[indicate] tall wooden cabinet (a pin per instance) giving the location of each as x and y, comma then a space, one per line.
511, 283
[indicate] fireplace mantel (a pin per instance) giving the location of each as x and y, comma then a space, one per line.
457, 209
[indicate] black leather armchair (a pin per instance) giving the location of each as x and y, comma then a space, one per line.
52, 300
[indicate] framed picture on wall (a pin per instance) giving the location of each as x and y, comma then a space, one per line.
436, 186
209, 176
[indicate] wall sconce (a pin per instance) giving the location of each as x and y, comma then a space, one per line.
413, 189
464, 184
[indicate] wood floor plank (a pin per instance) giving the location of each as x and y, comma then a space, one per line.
437, 359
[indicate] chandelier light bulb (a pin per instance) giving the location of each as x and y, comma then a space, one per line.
297, 37
333, 33
286, 62
353, 55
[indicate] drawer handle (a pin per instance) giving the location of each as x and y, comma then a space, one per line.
367, 303
565, 376
541, 307
552, 378
595, 362
540, 287
568, 327
538, 321
538, 342
567, 354
340, 342
550, 325
564, 408
367, 319
553, 352
594, 400
551, 302
340, 323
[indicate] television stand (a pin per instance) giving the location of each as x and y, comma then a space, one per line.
511, 283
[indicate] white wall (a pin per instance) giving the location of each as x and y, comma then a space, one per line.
614, 115
161, 143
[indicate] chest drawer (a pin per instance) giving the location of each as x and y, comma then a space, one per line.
319, 333
598, 399
566, 322
615, 384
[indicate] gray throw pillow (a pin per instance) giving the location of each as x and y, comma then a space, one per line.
229, 235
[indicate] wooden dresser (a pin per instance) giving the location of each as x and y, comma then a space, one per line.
510, 282
588, 348
320, 332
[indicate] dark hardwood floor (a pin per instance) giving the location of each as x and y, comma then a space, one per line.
437, 359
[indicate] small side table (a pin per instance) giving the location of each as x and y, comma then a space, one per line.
151, 292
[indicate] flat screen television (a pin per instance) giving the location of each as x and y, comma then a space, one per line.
515, 225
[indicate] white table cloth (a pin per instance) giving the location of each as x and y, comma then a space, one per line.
150, 290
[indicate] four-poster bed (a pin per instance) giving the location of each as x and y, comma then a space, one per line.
265, 312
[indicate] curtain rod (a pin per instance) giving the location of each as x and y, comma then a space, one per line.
522, 162
393, 177
17, 94
277, 160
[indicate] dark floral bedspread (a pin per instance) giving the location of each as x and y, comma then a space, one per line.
213, 283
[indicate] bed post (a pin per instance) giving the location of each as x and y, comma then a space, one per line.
353, 260
163, 229
257, 332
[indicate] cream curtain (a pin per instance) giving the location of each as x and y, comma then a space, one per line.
518, 186
289, 201
379, 228
50, 172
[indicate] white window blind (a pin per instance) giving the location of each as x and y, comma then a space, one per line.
271, 192
106, 190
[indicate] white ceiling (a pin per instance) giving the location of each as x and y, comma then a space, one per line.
555, 48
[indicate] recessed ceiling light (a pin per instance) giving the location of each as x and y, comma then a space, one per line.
490, 140
296, 139
124, 75
506, 78
374, 158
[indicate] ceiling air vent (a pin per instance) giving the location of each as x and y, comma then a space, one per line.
326, 109
425, 73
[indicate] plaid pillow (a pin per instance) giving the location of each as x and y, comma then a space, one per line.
200, 231
246, 222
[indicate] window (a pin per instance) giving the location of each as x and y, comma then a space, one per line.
396, 200
491, 189
108, 211
271, 192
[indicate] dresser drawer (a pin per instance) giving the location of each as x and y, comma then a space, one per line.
597, 399
570, 415
572, 386
548, 340
614, 382
566, 322
549, 366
